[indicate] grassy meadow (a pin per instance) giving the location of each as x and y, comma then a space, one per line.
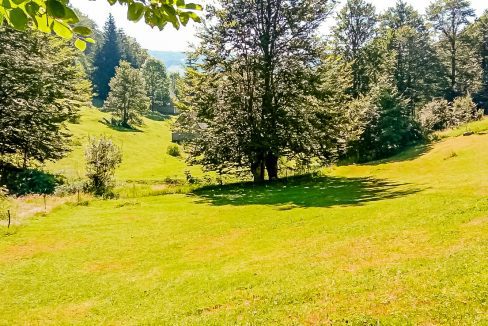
402, 241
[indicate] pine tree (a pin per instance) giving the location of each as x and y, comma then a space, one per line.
157, 83
127, 99
106, 59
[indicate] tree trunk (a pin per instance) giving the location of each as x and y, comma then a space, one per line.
257, 170
272, 166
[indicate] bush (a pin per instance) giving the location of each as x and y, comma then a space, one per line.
435, 115
29, 181
440, 114
173, 150
464, 110
102, 158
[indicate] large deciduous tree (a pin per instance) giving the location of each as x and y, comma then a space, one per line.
42, 86
255, 97
127, 99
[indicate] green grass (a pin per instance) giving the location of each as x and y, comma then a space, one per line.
145, 156
398, 242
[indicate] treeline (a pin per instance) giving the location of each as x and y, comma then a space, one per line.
270, 89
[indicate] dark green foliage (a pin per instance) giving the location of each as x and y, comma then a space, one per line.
42, 86
418, 73
106, 58
102, 158
389, 125
29, 181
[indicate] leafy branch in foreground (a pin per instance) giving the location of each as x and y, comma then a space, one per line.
53, 16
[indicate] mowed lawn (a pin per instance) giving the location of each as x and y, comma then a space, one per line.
144, 150
402, 241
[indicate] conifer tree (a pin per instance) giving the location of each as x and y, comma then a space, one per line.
106, 59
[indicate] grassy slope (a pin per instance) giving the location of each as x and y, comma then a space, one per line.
401, 241
144, 151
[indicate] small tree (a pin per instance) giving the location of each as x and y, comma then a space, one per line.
102, 157
157, 83
127, 99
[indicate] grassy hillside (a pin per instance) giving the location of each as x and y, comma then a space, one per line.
144, 151
398, 242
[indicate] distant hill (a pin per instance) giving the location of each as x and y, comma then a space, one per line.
173, 60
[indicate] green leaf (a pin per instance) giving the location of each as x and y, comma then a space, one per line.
18, 2
195, 17
135, 11
1, 19
71, 17
62, 30
193, 6
6, 4
42, 24
170, 11
112, 2
55, 9
80, 44
32, 8
18, 19
180, 3
89, 40
184, 18
82, 30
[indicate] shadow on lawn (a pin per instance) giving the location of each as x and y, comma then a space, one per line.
323, 191
118, 127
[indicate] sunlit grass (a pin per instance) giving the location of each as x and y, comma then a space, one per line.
402, 241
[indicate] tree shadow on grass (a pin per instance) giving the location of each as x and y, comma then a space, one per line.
118, 127
325, 191
409, 154
157, 116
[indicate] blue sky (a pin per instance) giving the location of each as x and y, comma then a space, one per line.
171, 40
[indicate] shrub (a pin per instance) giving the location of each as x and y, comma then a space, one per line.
435, 115
29, 181
173, 150
102, 158
440, 114
464, 110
